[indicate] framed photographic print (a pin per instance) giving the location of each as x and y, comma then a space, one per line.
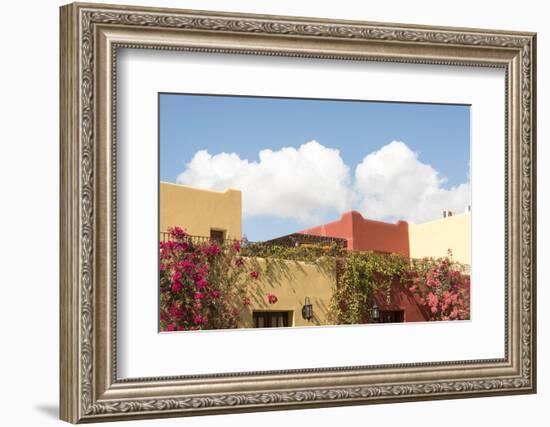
265, 212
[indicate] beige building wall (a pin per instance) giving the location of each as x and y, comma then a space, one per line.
198, 211
434, 238
292, 283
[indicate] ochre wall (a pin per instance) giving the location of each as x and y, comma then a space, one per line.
293, 282
198, 211
434, 238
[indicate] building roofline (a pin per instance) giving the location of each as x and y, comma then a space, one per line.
190, 187
454, 215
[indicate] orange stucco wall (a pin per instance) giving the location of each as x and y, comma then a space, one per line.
365, 234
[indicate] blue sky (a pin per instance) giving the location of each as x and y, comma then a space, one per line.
438, 134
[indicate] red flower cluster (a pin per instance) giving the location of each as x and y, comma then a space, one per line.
200, 320
211, 250
178, 233
272, 299
236, 245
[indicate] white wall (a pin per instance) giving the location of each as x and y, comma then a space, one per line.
29, 215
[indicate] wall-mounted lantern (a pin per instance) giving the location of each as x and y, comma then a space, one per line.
307, 309
375, 313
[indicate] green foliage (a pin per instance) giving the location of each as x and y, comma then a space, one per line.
303, 252
361, 275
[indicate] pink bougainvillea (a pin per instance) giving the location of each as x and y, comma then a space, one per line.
442, 289
202, 284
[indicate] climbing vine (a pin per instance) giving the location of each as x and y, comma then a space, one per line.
303, 252
361, 276
440, 286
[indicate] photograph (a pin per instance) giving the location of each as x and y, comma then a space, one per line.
294, 212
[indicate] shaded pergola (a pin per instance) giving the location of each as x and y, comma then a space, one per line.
299, 239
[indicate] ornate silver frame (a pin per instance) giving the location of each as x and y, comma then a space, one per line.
90, 36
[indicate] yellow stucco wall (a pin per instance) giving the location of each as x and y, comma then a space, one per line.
434, 238
198, 210
293, 282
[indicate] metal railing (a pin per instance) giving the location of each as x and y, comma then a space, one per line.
290, 240
165, 236
263, 246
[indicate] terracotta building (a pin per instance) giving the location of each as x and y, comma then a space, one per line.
365, 234
429, 239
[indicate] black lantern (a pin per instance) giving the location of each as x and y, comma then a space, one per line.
375, 313
307, 309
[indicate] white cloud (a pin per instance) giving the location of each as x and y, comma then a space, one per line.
305, 183
392, 182
301, 183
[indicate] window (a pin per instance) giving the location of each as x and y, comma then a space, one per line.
217, 235
392, 316
271, 319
